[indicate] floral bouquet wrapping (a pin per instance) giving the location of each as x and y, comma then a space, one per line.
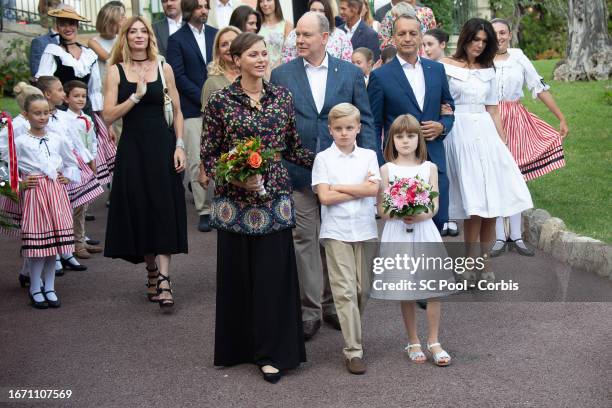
408, 196
246, 159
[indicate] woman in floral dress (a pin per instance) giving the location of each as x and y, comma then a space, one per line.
258, 315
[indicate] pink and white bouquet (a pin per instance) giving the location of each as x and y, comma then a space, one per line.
408, 196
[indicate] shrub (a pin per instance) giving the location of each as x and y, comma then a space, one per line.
15, 67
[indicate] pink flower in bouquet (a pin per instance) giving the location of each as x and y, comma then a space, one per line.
400, 201
423, 197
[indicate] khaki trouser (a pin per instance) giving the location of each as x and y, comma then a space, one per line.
314, 282
78, 219
350, 275
192, 136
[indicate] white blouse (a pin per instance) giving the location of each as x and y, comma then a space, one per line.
86, 64
516, 72
48, 155
472, 86
83, 139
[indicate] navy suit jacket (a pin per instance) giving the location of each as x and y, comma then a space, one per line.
189, 67
364, 36
37, 48
391, 96
344, 84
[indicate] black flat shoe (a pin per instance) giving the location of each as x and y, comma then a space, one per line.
272, 378
453, 232
495, 252
204, 223
90, 217
67, 265
38, 305
92, 242
526, 251
52, 303
24, 281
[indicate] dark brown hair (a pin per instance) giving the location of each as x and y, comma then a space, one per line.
355, 4
70, 85
241, 14
329, 14
405, 124
278, 11
44, 82
188, 7
438, 34
243, 42
468, 32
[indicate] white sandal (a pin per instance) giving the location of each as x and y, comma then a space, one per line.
439, 356
414, 355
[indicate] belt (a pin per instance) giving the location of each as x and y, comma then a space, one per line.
467, 108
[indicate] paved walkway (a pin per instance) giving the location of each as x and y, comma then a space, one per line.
112, 348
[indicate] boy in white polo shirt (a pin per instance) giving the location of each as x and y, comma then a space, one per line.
346, 179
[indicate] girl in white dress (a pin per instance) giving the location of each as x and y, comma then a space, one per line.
406, 156
484, 180
110, 19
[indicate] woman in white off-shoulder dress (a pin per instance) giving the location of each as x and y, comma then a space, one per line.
484, 179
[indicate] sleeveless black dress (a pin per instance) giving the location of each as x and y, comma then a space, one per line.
147, 212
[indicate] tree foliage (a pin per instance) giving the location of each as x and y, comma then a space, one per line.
443, 10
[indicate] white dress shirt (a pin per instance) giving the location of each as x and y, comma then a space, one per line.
317, 79
351, 31
224, 12
48, 155
173, 25
81, 131
414, 75
350, 221
200, 39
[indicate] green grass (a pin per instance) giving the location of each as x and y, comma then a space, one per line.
9, 105
580, 193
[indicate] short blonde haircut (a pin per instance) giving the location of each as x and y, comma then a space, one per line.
109, 16
343, 110
405, 124
121, 50
22, 91
217, 66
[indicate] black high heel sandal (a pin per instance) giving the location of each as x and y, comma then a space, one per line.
24, 281
152, 283
163, 303
67, 265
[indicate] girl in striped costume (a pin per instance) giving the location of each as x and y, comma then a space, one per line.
47, 164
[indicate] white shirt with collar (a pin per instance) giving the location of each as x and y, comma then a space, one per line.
223, 13
173, 25
200, 39
414, 75
351, 31
317, 79
350, 221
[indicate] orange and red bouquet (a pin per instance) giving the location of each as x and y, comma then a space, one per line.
247, 158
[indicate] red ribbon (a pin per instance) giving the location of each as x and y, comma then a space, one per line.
13, 174
87, 123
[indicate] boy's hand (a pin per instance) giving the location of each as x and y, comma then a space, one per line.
61, 179
92, 166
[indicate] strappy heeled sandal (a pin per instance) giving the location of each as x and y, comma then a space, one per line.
415, 355
439, 356
152, 275
165, 302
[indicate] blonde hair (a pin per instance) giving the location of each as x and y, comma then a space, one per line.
217, 66
343, 110
405, 124
121, 50
22, 91
107, 21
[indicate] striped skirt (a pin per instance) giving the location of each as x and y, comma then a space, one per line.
46, 223
105, 161
11, 214
86, 190
534, 144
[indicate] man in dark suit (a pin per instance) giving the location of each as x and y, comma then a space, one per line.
37, 47
169, 25
317, 82
419, 87
360, 34
189, 50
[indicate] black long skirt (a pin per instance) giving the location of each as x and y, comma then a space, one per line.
259, 317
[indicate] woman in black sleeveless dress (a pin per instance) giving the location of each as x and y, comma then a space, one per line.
147, 217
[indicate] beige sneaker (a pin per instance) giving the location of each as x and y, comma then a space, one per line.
356, 366
82, 253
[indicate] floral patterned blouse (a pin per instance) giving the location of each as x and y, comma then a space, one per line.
230, 117
338, 46
385, 35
